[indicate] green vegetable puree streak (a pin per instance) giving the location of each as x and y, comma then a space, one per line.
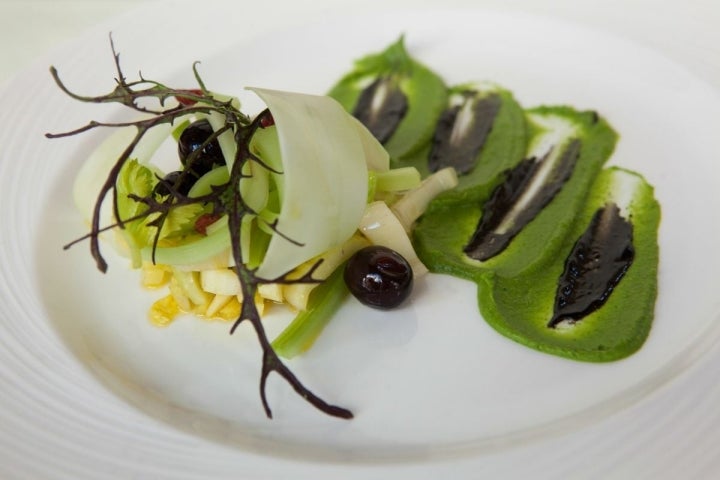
424, 90
504, 147
441, 247
520, 307
518, 283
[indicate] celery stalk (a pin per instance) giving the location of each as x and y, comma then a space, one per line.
199, 251
302, 332
398, 179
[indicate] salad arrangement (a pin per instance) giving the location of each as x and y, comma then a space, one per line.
363, 191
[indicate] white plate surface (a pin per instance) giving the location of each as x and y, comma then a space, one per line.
89, 388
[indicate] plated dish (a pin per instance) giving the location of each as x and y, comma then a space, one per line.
482, 392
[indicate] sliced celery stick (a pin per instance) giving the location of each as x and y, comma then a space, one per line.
203, 185
398, 179
309, 324
196, 252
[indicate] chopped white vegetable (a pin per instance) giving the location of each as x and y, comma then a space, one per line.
271, 291
414, 203
222, 281
218, 302
382, 227
298, 294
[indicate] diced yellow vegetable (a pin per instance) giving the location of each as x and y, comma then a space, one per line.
189, 283
271, 291
217, 303
154, 276
225, 282
260, 304
179, 295
220, 281
230, 311
164, 311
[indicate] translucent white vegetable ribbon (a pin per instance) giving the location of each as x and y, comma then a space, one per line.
325, 154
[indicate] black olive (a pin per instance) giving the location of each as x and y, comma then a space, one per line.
192, 139
379, 277
177, 181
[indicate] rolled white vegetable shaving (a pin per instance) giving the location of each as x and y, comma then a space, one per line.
95, 169
325, 175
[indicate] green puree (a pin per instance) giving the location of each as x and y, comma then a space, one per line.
564, 252
449, 223
422, 92
503, 148
521, 306
517, 288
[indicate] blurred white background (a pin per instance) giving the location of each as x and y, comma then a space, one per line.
685, 30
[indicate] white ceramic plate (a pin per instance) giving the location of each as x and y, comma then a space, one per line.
91, 389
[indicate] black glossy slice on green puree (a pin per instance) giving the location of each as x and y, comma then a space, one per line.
595, 265
531, 211
396, 97
490, 237
497, 140
609, 313
381, 107
462, 130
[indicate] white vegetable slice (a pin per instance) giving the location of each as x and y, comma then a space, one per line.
225, 140
376, 157
382, 227
271, 291
217, 303
415, 202
221, 281
324, 178
94, 171
224, 282
298, 294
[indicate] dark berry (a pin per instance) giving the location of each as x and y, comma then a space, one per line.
191, 139
379, 277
